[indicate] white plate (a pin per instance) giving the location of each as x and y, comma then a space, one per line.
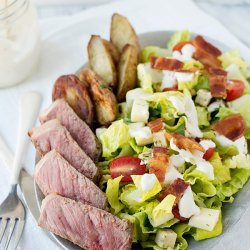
232, 213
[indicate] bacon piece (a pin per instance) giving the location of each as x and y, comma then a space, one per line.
159, 163
232, 126
206, 52
176, 188
183, 142
164, 63
180, 45
216, 71
156, 125
218, 86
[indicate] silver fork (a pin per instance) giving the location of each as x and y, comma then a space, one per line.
12, 211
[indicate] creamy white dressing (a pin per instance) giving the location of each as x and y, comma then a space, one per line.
147, 182
134, 127
215, 105
187, 107
186, 53
184, 76
171, 174
206, 144
240, 143
196, 158
187, 206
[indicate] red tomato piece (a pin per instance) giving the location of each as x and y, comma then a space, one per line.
126, 166
235, 90
208, 154
180, 45
176, 213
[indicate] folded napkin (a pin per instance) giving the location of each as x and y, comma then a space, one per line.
64, 51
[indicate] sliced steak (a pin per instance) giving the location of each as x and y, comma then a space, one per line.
78, 129
89, 227
53, 174
52, 135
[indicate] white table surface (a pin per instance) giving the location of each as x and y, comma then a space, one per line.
234, 14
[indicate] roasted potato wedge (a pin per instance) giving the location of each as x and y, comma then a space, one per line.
75, 92
113, 51
104, 99
127, 71
101, 61
122, 33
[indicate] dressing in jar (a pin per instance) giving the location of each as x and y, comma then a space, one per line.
19, 41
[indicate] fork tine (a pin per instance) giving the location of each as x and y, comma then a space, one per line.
18, 233
11, 228
2, 228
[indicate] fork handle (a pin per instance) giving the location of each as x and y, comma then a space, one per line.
29, 106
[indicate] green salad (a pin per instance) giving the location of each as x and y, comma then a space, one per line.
178, 152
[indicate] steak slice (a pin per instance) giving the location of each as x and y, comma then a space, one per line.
86, 226
52, 135
53, 174
78, 129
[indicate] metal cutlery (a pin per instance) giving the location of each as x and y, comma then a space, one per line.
12, 211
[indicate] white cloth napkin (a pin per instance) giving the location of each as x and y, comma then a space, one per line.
64, 51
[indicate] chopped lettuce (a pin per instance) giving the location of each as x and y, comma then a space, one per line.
149, 51
234, 73
242, 105
177, 37
238, 161
233, 57
202, 114
135, 147
202, 83
144, 77
141, 194
224, 112
221, 172
119, 132
162, 213
112, 193
192, 64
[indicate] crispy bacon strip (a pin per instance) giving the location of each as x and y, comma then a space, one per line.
164, 63
232, 126
176, 213
216, 71
183, 142
156, 125
206, 52
218, 86
176, 188
159, 163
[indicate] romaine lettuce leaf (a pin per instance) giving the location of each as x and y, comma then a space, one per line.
149, 51
181, 229
242, 105
144, 77
202, 82
137, 149
162, 213
119, 132
224, 112
221, 172
202, 114
179, 36
112, 193
233, 57
239, 177
238, 161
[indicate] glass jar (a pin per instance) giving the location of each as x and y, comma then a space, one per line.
19, 41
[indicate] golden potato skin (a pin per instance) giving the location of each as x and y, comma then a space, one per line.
127, 71
103, 98
122, 33
75, 92
113, 51
101, 61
